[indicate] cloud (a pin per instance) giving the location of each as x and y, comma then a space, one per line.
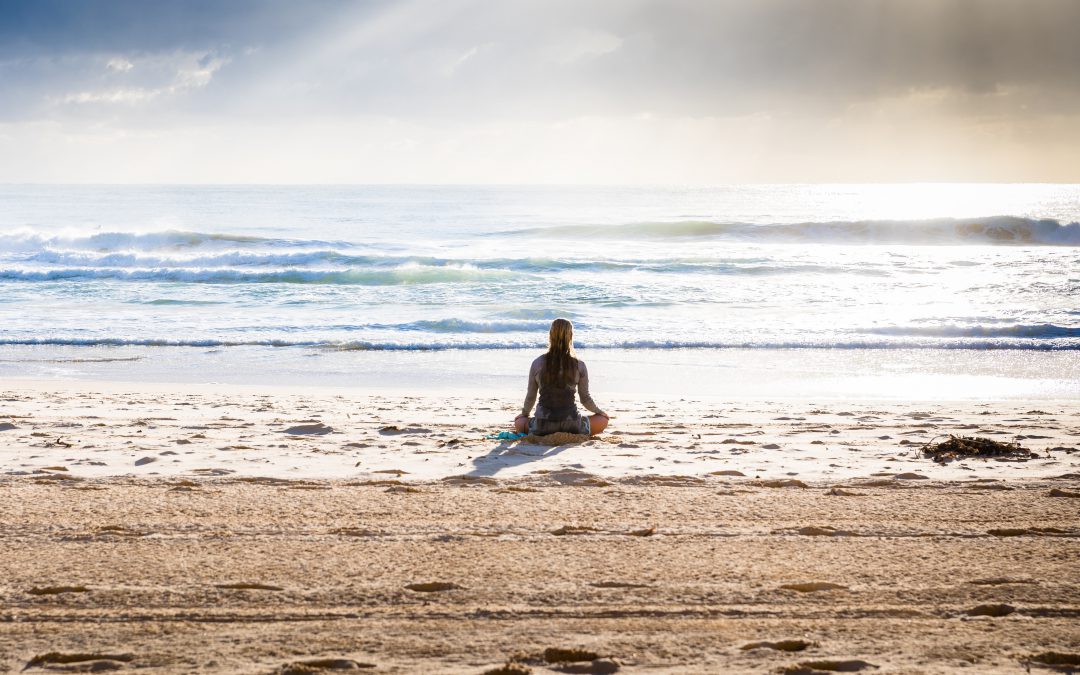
182, 72
716, 89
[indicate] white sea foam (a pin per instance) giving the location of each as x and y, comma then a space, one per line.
1006, 230
403, 275
350, 268
446, 345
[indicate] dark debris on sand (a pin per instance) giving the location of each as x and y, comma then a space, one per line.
963, 447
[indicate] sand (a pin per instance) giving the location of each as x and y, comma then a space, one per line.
188, 529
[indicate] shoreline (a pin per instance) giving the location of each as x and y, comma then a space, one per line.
716, 374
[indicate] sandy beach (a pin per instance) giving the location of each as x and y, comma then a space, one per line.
172, 528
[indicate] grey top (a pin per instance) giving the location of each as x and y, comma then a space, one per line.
558, 399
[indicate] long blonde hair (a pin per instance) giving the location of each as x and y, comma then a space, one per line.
560, 363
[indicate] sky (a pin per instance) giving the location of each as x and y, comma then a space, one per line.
539, 91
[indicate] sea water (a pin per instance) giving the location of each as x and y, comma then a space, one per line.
675, 289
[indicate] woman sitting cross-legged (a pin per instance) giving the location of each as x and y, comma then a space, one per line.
557, 375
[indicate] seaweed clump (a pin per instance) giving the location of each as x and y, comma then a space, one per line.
964, 447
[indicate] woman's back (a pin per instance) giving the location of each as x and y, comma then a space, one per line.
557, 395
556, 377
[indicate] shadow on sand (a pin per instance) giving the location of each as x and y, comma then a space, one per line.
509, 454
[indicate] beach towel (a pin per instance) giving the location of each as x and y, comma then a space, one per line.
504, 436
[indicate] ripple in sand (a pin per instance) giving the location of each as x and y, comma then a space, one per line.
616, 584
402, 489
573, 529
991, 610
813, 586
781, 483
392, 430
434, 587
815, 531
319, 665
119, 531
510, 668
84, 662
57, 590
469, 480
560, 655
597, 667
1055, 492
840, 492
1067, 663
249, 586
574, 477
318, 429
781, 645
1026, 531
999, 581
813, 667
665, 481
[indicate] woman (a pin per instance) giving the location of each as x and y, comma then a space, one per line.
556, 375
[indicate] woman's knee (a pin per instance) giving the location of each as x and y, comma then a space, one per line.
597, 423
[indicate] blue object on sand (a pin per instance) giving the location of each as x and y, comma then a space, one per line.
505, 436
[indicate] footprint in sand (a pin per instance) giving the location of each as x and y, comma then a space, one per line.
1059, 661
88, 662
1055, 492
781, 646
317, 429
57, 590
580, 661
509, 668
781, 483
392, 430
814, 667
991, 610
318, 665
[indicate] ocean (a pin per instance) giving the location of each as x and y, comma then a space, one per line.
453, 285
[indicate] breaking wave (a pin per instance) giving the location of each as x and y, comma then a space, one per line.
435, 345
408, 274
1042, 331
999, 230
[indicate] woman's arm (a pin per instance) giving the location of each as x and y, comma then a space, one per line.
583, 390
534, 385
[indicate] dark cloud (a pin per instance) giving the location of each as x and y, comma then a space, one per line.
702, 58
547, 59
61, 27
798, 88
